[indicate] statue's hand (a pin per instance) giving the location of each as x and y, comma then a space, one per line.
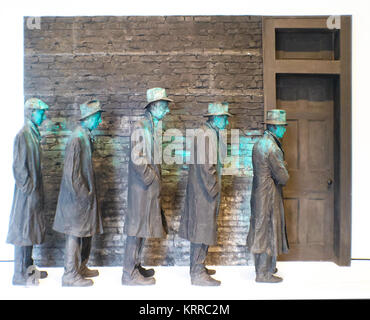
286, 165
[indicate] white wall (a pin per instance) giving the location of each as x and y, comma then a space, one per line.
11, 80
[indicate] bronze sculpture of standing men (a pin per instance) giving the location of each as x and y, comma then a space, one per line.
78, 215
203, 194
26, 225
267, 237
144, 218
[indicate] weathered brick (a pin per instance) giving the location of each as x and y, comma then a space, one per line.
198, 59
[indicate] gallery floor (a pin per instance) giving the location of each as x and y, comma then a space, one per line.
302, 280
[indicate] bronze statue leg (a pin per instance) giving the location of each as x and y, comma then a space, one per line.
85, 249
198, 255
72, 257
85, 254
72, 264
132, 249
144, 272
131, 274
199, 274
265, 266
22, 260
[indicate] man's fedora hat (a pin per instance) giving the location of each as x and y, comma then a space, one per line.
218, 109
36, 104
89, 108
156, 94
276, 117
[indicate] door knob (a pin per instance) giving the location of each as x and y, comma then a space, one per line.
330, 182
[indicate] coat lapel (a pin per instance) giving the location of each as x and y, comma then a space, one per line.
219, 142
154, 143
34, 131
276, 140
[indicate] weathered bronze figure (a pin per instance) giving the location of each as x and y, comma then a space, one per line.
144, 218
203, 194
77, 213
267, 237
26, 225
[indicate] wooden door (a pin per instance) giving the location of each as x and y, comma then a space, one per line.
309, 152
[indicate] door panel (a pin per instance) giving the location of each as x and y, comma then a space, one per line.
291, 215
308, 145
318, 157
316, 217
292, 140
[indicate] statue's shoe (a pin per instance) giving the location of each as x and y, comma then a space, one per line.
204, 279
145, 272
88, 273
20, 280
269, 279
136, 279
78, 281
210, 272
43, 274
30, 280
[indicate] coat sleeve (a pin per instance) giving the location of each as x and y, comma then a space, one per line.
21, 172
209, 178
73, 168
277, 166
208, 174
145, 171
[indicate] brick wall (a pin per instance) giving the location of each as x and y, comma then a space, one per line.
116, 59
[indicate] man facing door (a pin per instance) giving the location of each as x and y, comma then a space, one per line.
267, 237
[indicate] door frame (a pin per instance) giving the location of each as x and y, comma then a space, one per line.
342, 68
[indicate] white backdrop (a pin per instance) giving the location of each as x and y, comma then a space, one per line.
11, 80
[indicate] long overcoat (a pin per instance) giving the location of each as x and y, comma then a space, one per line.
145, 218
77, 211
26, 225
267, 233
203, 193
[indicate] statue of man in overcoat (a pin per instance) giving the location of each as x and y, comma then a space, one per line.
26, 225
267, 237
144, 218
78, 214
203, 194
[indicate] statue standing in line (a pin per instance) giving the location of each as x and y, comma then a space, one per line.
203, 194
78, 215
26, 225
145, 218
267, 237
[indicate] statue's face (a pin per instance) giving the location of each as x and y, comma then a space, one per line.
93, 121
159, 109
280, 131
38, 117
221, 122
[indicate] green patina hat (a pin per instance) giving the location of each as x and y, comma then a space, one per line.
276, 116
156, 94
35, 103
89, 108
218, 109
